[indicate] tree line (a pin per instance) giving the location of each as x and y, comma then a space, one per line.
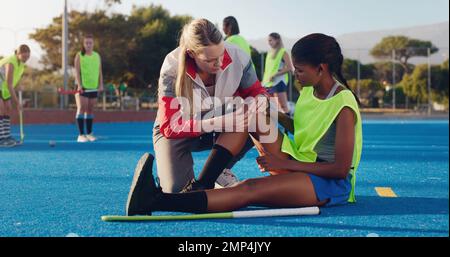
133, 48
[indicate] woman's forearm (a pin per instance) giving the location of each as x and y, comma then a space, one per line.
286, 122
282, 72
78, 72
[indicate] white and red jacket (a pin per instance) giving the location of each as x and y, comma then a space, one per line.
237, 77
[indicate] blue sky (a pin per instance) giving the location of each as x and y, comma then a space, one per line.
257, 18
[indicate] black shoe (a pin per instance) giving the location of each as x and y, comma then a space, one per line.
143, 191
193, 186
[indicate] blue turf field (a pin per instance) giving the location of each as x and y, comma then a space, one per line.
64, 190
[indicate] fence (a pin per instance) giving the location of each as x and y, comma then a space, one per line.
377, 82
48, 98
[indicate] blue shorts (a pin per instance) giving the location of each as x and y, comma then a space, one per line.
278, 88
336, 191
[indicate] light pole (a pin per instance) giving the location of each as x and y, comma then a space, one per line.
359, 75
393, 80
429, 82
65, 48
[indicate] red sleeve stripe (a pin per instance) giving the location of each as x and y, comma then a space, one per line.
171, 126
253, 91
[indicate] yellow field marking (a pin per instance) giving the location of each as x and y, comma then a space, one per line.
385, 192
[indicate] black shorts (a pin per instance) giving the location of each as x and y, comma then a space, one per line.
281, 87
89, 93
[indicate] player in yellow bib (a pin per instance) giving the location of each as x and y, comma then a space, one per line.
89, 79
317, 168
232, 32
11, 71
276, 71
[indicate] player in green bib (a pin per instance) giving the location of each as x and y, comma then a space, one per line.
89, 79
276, 71
316, 168
232, 31
11, 71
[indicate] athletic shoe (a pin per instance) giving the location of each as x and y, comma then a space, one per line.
82, 139
226, 179
13, 140
91, 137
144, 191
10, 138
193, 186
7, 143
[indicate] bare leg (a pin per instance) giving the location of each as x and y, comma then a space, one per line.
2, 108
233, 142
273, 148
293, 189
282, 101
81, 110
91, 106
84, 101
78, 103
90, 115
8, 109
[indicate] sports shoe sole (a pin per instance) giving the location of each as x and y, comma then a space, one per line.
144, 164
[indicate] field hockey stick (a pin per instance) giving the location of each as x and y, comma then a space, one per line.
68, 92
74, 92
22, 135
225, 215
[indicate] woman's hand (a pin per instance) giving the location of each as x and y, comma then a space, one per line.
271, 163
236, 121
80, 89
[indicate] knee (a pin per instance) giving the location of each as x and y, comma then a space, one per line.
247, 189
173, 181
249, 184
172, 187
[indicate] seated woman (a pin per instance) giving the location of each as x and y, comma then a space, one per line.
317, 168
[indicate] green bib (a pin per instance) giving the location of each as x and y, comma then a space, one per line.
19, 68
90, 70
241, 42
312, 119
272, 66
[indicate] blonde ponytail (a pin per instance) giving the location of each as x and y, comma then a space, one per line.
195, 36
183, 86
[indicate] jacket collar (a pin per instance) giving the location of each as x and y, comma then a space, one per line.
191, 67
